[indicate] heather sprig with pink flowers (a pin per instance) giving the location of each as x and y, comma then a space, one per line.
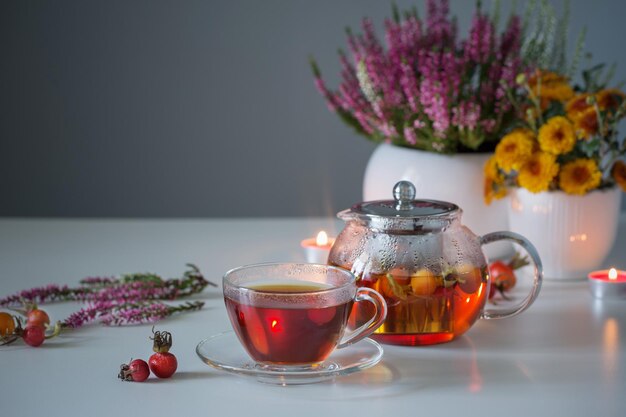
130, 299
113, 313
429, 89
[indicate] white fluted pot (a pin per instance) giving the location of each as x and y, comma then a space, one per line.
573, 234
455, 178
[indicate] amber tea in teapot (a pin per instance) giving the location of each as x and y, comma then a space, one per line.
425, 307
427, 265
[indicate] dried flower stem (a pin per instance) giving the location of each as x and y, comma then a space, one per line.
112, 314
129, 288
131, 299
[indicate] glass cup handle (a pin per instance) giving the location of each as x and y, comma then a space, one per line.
538, 274
367, 294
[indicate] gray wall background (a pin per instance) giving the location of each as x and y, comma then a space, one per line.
193, 108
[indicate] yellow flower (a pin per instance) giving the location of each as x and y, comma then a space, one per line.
619, 174
491, 169
550, 86
586, 124
576, 105
493, 190
557, 136
579, 176
538, 172
494, 181
514, 149
610, 99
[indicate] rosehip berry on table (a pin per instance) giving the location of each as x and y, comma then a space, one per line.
502, 275
7, 324
34, 335
37, 317
137, 370
162, 363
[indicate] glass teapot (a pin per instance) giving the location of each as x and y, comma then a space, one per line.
428, 266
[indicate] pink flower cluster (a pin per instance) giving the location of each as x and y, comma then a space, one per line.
43, 294
112, 313
428, 89
114, 301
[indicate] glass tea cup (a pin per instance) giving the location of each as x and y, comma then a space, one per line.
295, 315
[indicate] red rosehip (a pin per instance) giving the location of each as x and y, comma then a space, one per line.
34, 335
163, 365
502, 275
137, 370
37, 317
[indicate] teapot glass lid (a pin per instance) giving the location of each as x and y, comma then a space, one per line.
404, 205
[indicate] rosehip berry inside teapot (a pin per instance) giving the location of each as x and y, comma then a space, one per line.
429, 267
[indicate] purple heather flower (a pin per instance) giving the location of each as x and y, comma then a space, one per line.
88, 314
488, 125
479, 46
511, 39
119, 301
427, 80
41, 295
98, 280
364, 122
330, 100
440, 29
410, 135
408, 81
466, 115
136, 314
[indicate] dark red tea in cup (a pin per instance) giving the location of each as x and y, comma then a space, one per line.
290, 335
296, 314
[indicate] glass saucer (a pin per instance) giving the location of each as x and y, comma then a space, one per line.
223, 351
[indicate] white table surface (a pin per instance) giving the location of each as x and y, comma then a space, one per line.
565, 356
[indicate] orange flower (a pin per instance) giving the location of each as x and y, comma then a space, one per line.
491, 169
550, 86
576, 105
619, 174
538, 172
493, 190
586, 124
580, 176
610, 99
514, 149
494, 181
557, 136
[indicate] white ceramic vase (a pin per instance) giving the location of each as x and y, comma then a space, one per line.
455, 178
573, 234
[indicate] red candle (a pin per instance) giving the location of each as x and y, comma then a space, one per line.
608, 283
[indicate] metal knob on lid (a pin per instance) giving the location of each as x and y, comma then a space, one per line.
404, 206
404, 194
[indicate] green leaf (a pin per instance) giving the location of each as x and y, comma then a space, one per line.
142, 277
395, 12
555, 108
351, 121
314, 67
472, 139
590, 147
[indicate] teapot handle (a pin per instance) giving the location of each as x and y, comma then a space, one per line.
538, 274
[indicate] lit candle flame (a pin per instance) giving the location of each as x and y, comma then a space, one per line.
322, 239
613, 273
